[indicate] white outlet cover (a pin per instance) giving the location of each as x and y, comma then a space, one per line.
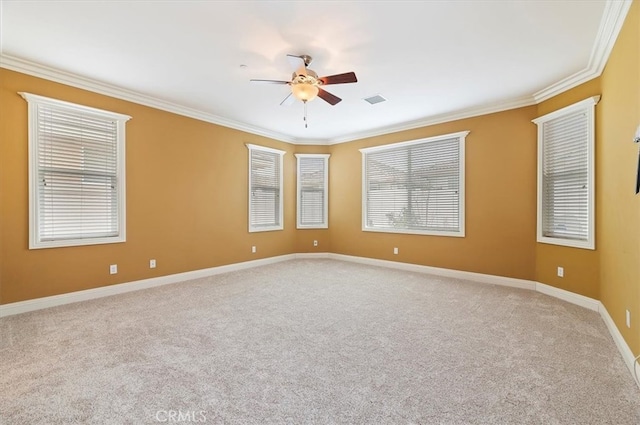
560, 271
628, 318
152, 264
113, 269
253, 249
395, 250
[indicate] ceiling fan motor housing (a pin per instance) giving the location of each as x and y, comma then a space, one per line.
310, 78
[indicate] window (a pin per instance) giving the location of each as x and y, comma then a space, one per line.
415, 187
76, 174
566, 179
313, 176
265, 189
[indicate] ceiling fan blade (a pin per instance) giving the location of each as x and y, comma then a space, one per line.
270, 81
288, 101
297, 64
328, 97
347, 77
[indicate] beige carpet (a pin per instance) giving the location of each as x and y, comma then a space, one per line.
315, 341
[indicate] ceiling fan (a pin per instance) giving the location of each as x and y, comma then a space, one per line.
306, 85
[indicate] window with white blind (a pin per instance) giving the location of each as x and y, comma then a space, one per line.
313, 177
265, 189
566, 178
76, 174
415, 187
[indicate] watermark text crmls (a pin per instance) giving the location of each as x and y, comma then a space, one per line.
176, 416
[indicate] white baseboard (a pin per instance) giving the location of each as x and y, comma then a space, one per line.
305, 255
568, 296
437, 271
121, 288
622, 345
573, 298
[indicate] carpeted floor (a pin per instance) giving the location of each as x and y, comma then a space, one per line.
315, 341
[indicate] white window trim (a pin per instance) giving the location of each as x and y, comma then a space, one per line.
33, 101
253, 229
324, 225
461, 233
588, 106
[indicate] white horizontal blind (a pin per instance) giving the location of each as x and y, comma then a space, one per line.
415, 187
77, 174
312, 186
265, 209
565, 179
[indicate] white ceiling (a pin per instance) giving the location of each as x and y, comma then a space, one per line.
432, 60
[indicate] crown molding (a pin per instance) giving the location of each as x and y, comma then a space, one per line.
611, 23
74, 80
310, 142
439, 119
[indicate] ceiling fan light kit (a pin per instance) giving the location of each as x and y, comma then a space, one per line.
305, 88
305, 84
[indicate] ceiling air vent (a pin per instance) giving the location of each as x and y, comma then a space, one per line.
375, 99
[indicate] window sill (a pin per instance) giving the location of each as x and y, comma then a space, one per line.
570, 243
265, 229
63, 243
460, 234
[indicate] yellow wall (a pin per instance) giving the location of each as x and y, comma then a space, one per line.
611, 273
581, 266
500, 200
186, 199
618, 229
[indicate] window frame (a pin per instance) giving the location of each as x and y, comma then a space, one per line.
280, 153
325, 224
461, 189
588, 106
35, 239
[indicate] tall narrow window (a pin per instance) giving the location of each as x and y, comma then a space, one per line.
76, 174
265, 189
415, 187
566, 178
313, 173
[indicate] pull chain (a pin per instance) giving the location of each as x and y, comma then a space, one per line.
305, 114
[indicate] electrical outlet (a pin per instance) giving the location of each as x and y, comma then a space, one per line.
628, 319
395, 251
315, 243
253, 249
560, 271
113, 269
152, 264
